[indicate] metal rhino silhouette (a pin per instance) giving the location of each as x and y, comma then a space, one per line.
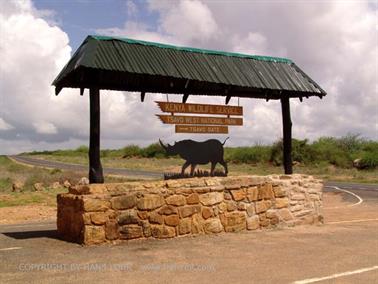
198, 153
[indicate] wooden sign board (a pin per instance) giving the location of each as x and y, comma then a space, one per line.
200, 108
201, 129
182, 119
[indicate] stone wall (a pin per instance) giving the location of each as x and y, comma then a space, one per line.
97, 213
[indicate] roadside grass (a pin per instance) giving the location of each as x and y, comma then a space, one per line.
148, 164
321, 170
328, 158
343, 152
46, 198
11, 172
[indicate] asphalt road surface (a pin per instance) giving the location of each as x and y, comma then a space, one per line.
343, 250
76, 167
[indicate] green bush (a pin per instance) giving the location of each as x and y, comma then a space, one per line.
370, 146
276, 153
330, 149
341, 161
154, 151
105, 153
131, 151
82, 149
301, 152
350, 143
255, 154
369, 160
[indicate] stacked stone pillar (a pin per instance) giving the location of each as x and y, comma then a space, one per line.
97, 213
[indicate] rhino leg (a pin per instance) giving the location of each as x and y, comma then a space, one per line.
192, 168
224, 164
212, 168
184, 166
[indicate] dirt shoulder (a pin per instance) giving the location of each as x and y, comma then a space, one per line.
26, 213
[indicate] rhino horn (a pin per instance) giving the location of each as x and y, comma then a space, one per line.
162, 145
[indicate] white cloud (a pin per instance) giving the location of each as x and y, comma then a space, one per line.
253, 43
131, 8
4, 125
44, 127
335, 43
188, 20
337, 48
9, 8
32, 56
137, 30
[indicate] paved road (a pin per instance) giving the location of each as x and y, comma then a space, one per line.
76, 167
346, 247
353, 186
281, 256
368, 192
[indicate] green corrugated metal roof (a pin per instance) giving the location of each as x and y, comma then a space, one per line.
133, 65
192, 49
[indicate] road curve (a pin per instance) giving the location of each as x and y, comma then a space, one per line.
354, 186
76, 167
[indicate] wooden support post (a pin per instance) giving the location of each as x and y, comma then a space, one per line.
286, 122
95, 168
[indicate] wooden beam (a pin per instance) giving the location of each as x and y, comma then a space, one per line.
286, 122
95, 168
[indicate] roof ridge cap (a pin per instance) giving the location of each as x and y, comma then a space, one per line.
193, 49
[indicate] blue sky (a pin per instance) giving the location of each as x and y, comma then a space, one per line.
80, 18
335, 42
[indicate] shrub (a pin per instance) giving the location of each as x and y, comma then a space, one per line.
276, 153
342, 161
300, 152
131, 151
255, 154
329, 149
350, 142
369, 160
154, 151
82, 149
370, 146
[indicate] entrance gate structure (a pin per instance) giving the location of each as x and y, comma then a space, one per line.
122, 64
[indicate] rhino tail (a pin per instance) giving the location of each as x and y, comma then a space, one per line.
225, 140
